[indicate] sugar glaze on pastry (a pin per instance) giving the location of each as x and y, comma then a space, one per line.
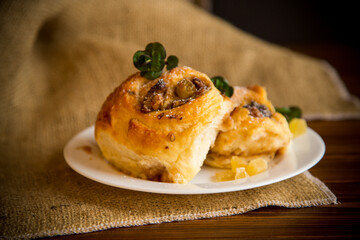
161, 129
253, 130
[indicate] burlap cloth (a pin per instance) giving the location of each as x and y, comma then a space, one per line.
60, 59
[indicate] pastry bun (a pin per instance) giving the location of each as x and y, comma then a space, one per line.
162, 129
255, 130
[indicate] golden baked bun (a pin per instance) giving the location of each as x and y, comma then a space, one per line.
161, 129
254, 130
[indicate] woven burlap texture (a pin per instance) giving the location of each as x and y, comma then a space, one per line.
59, 61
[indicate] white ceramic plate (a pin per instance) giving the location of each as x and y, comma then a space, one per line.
83, 155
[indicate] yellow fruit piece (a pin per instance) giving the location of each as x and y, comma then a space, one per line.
256, 166
227, 175
297, 127
240, 173
237, 162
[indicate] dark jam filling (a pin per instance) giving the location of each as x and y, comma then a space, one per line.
258, 110
184, 92
155, 97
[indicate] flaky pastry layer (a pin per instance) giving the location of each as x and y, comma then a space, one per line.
146, 131
254, 130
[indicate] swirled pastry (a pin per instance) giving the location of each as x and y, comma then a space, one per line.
161, 129
254, 130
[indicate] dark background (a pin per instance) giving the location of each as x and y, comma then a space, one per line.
294, 21
327, 30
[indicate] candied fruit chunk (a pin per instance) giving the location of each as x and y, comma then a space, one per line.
256, 166
237, 162
297, 127
240, 173
226, 175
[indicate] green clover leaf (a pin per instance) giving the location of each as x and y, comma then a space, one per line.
223, 85
172, 62
290, 112
151, 61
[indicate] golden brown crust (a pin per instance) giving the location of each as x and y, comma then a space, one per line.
163, 139
257, 129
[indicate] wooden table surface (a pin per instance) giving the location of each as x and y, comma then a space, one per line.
339, 170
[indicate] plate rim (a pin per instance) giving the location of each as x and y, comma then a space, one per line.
186, 189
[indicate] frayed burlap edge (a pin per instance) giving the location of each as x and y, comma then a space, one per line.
329, 199
344, 93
